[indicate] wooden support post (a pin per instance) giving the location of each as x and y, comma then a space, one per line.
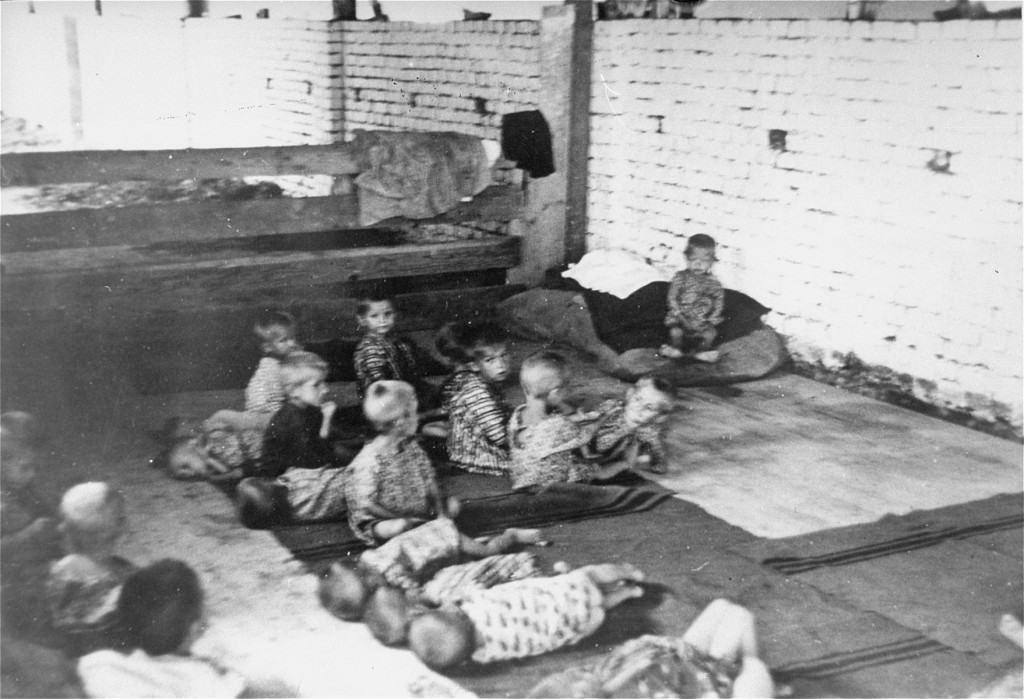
74, 78
554, 226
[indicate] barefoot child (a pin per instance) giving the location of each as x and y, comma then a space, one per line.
84, 586
630, 429
300, 476
545, 442
471, 396
695, 303
522, 618
161, 607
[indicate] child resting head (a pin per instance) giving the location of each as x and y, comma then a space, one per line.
93, 519
647, 401
443, 638
303, 376
542, 377
275, 331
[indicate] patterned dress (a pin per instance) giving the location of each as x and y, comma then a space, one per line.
381, 358
387, 483
546, 452
534, 616
477, 439
695, 302
649, 666
82, 595
407, 558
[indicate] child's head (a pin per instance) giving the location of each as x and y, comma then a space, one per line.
443, 638
276, 333
450, 343
387, 615
700, 253
344, 591
543, 375
376, 313
303, 378
647, 400
391, 406
486, 349
21, 439
92, 518
160, 607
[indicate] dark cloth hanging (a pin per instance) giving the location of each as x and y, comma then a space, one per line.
526, 140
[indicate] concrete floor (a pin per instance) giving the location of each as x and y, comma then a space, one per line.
777, 457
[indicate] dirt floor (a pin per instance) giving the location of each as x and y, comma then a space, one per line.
776, 457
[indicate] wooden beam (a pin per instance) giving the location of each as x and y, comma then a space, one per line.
219, 220
33, 169
100, 276
578, 145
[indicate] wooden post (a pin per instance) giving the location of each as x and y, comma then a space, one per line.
74, 78
556, 214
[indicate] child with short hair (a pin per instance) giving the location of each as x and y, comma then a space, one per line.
231, 439
695, 303
161, 608
84, 586
477, 438
391, 486
383, 355
29, 538
545, 443
716, 657
630, 429
522, 618
300, 476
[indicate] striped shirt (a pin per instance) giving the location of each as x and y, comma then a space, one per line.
546, 452
533, 616
614, 436
477, 441
264, 392
383, 484
382, 358
695, 301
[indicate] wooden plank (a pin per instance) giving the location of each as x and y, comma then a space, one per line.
578, 146
219, 220
111, 275
33, 169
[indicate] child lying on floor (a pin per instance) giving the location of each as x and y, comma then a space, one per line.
300, 476
161, 607
545, 442
716, 657
521, 618
631, 429
83, 587
477, 438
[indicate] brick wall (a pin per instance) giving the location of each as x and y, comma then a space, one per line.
459, 76
857, 245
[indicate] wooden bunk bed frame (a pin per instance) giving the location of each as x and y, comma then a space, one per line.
183, 280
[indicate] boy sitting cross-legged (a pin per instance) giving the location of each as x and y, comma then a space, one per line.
300, 475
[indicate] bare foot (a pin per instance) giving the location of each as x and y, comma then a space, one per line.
435, 429
670, 352
525, 536
710, 356
1011, 627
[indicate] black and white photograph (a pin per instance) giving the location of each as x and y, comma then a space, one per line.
511, 348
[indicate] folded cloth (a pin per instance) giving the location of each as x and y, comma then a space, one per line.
614, 272
526, 140
416, 174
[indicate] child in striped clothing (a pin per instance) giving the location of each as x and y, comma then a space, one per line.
477, 439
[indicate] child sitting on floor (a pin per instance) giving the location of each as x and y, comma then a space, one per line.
391, 486
29, 539
300, 475
716, 657
161, 608
695, 302
545, 442
83, 587
478, 416
382, 355
630, 429
522, 618
229, 439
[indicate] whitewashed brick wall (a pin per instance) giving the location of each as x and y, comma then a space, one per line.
458, 76
849, 237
